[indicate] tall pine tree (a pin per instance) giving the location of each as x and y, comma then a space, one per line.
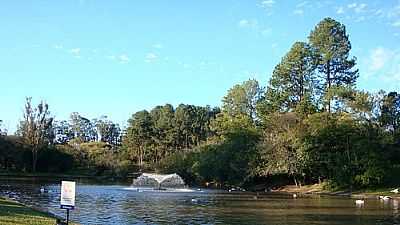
332, 46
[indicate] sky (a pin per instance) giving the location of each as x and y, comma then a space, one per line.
114, 58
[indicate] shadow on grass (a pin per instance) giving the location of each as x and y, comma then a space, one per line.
15, 213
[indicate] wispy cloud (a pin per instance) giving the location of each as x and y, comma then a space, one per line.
58, 46
340, 10
302, 4
352, 5
383, 65
396, 23
150, 57
158, 46
357, 7
379, 57
76, 52
123, 58
360, 8
244, 23
298, 12
267, 5
254, 26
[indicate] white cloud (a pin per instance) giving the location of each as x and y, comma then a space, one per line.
394, 12
150, 57
158, 46
352, 5
360, 8
298, 12
244, 23
379, 58
123, 58
396, 23
266, 32
340, 10
302, 4
112, 57
76, 52
267, 3
360, 19
383, 66
57, 46
379, 13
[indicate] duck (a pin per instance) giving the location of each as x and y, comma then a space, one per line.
194, 200
385, 198
359, 202
395, 191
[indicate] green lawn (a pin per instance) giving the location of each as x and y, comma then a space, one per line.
12, 213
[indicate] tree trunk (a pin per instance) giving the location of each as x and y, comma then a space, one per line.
34, 159
328, 80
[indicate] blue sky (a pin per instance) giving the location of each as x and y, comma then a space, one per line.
117, 57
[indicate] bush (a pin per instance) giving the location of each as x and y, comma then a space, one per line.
52, 159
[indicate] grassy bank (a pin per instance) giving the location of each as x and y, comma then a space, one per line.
13, 213
322, 190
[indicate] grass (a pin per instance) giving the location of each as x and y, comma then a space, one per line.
12, 213
323, 188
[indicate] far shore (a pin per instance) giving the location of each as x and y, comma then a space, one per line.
317, 189
63, 175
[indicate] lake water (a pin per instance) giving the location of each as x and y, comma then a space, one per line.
118, 204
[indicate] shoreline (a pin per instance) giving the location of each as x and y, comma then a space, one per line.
317, 189
16, 175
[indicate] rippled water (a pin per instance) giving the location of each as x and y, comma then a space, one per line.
119, 204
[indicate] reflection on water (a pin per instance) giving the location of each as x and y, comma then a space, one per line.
119, 204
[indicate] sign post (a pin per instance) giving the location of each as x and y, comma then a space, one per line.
67, 196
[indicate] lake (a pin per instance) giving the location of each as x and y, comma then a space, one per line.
118, 204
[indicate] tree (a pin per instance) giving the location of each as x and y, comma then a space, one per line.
63, 132
139, 137
292, 81
242, 99
3, 132
280, 150
390, 112
107, 131
36, 128
82, 128
332, 47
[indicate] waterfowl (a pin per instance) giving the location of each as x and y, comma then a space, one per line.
359, 202
385, 198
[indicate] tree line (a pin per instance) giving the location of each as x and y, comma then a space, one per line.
309, 124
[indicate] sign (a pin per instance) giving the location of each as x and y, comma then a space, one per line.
67, 194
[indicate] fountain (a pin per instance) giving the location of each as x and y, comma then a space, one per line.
159, 181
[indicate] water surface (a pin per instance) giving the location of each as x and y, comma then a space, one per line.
119, 204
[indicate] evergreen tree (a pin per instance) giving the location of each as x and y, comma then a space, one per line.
292, 81
332, 47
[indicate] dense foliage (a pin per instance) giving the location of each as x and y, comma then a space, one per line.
309, 124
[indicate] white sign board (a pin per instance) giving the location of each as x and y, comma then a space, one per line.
67, 194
